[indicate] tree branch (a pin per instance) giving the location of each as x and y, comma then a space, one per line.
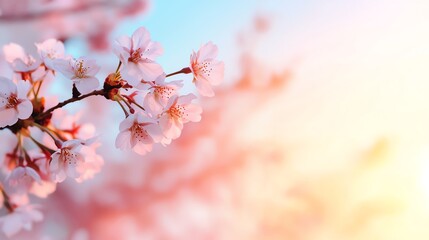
74, 99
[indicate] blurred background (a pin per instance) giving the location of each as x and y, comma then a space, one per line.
319, 131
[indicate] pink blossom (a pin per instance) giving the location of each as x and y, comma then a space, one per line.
19, 199
160, 93
22, 217
41, 161
14, 103
50, 50
206, 69
43, 188
138, 55
138, 132
19, 60
81, 71
41, 73
67, 161
179, 110
70, 126
76, 159
92, 165
23, 178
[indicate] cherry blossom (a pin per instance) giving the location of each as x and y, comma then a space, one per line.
22, 178
14, 103
69, 125
81, 71
67, 161
179, 110
138, 55
206, 69
43, 188
160, 93
42, 163
138, 132
45, 145
16, 199
21, 217
19, 60
50, 50
41, 73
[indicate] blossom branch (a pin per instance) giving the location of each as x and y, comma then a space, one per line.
74, 99
154, 109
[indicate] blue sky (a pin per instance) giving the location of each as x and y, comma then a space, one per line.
182, 26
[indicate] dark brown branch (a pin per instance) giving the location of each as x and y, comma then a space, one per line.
74, 99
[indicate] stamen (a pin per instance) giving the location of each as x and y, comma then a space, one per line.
177, 112
68, 157
136, 56
163, 92
203, 68
139, 132
12, 101
80, 70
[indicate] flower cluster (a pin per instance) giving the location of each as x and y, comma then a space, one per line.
46, 145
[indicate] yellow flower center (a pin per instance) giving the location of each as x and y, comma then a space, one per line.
80, 70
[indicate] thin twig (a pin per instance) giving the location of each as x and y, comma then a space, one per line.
62, 104
184, 70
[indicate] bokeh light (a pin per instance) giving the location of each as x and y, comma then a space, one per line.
318, 132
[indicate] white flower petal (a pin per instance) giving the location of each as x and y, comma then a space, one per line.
151, 105
87, 85
142, 148
132, 74
90, 65
43, 189
13, 51
127, 123
186, 99
7, 87
73, 144
64, 66
193, 113
54, 165
123, 140
33, 174
23, 87
8, 117
150, 70
122, 48
204, 87
11, 224
153, 50
25, 109
217, 74
140, 38
169, 128
155, 132
59, 176
207, 51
